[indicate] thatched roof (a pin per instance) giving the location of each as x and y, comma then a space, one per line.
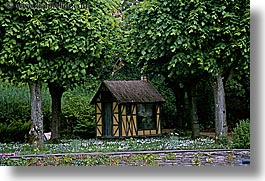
139, 91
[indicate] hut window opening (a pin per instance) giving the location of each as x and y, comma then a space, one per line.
146, 117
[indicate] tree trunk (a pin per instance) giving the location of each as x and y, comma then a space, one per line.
220, 108
56, 92
36, 113
193, 110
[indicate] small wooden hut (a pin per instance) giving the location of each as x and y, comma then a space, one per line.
127, 109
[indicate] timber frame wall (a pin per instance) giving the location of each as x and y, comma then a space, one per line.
124, 120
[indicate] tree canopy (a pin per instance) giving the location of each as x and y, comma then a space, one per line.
180, 37
188, 40
61, 45
65, 43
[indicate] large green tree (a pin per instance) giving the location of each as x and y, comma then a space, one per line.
61, 43
190, 40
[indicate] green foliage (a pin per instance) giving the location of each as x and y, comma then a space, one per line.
241, 134
14, 131
62, 45
84, 160
85, 128
169, 156
77, 114
58, 154
115, 145
15, 106
175, 38
129, 71
14, 103
223, 140
237, 98
197, 160
58, 45
168, 111
15, 111
205, 105
183, 40
9, 162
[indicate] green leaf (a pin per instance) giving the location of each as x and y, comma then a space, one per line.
82, 65
83, 71
179, 42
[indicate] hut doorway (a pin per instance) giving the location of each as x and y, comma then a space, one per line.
107, 119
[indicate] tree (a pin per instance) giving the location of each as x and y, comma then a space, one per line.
62, 44
84, 41
17, 60
228, 49
160, 41
190, 40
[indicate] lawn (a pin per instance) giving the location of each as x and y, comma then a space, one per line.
113, 145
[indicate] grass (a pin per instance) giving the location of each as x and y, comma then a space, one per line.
114, 145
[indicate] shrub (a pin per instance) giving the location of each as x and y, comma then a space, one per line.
241, 134
77, 112
85, 129
78, 119
16, 131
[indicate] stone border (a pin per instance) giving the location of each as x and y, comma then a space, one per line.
209, 157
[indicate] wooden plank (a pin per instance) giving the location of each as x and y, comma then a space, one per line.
115, 107
134, 128
99, 130
99, 119
153, 132
124, 125
158, 109
116, 118
158, 120
116, 130
132, 121
123, 110
158, 124
129, 125
141, 132
98, 107
124, 122
134, 109
147, 132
